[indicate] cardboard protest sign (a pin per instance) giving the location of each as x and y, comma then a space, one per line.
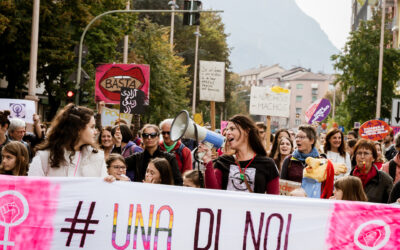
285, 186
109, 116
273, 101
110, 78
132, 101
54, 213
374, 130
23, 109
212, 81
318, 111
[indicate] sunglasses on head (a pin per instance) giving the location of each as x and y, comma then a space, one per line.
166, 132
152, 135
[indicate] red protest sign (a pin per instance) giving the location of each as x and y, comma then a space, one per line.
374, 130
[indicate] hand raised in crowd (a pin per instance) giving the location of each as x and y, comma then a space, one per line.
117, 137
123, 177
205, 153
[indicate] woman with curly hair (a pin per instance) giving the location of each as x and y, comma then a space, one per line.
69, 149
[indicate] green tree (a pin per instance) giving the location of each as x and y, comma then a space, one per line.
358, 64
169, 82
61, 24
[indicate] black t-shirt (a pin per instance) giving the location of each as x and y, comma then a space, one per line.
258, 174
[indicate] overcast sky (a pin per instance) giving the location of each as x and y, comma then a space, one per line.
333, 15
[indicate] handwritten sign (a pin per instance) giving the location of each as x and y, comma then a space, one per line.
374, 130
109, 116
132, 101
58, 215
318, 111
22, 109
212, 81
110, 78
269, 101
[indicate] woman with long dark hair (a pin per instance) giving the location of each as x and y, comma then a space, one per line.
105, 141
278, 136
335, 149
69, 148
285, 148
249, 169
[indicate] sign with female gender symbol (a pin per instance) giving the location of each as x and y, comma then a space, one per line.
13, 211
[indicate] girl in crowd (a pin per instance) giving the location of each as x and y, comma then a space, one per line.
349, 188
69, 148
4, 123
278, 136
159, 172
293, 165
381, 158
116, 167
377, 184
123, 141
193, 178
249, 169
335, 149
285, 146
106, 141
15, 159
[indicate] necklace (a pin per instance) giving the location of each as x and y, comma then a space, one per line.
244, 171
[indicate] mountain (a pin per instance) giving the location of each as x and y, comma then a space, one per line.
273, 31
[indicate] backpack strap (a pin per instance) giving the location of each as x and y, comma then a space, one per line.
179, 151
392, 169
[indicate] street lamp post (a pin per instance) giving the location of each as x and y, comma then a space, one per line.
378, 96
171, 37
197, 34
34, 51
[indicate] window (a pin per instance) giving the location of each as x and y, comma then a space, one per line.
314, 98
297, 122
299, 98
298, 110
299, 86
314, 91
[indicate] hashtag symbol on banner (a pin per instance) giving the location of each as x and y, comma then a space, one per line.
72, 230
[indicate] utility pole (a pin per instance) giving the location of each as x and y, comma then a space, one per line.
197, 34
34, 51
378, 96
126, 40
171, 36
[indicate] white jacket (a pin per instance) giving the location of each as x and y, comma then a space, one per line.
90, 164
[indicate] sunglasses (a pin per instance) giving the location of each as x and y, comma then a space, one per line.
152, 135
166, 132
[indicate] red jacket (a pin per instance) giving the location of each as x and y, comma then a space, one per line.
184, 159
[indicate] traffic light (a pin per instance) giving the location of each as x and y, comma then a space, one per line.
84, 98
194, 18
70, 96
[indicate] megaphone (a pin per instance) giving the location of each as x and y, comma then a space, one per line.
184, 127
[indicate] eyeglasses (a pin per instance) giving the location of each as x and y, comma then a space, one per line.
119, 167
300, 137
166, 132
152, 135
363, 153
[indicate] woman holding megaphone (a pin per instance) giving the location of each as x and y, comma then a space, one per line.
248, 169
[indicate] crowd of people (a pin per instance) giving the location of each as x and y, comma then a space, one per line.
75, 145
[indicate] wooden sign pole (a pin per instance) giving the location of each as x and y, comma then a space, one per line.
212, 115
268, 133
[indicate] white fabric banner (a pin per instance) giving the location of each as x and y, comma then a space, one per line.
88, 213
23, 109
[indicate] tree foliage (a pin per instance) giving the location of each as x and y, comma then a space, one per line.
168, 79
358, 64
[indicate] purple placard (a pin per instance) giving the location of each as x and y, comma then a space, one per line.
321, 112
